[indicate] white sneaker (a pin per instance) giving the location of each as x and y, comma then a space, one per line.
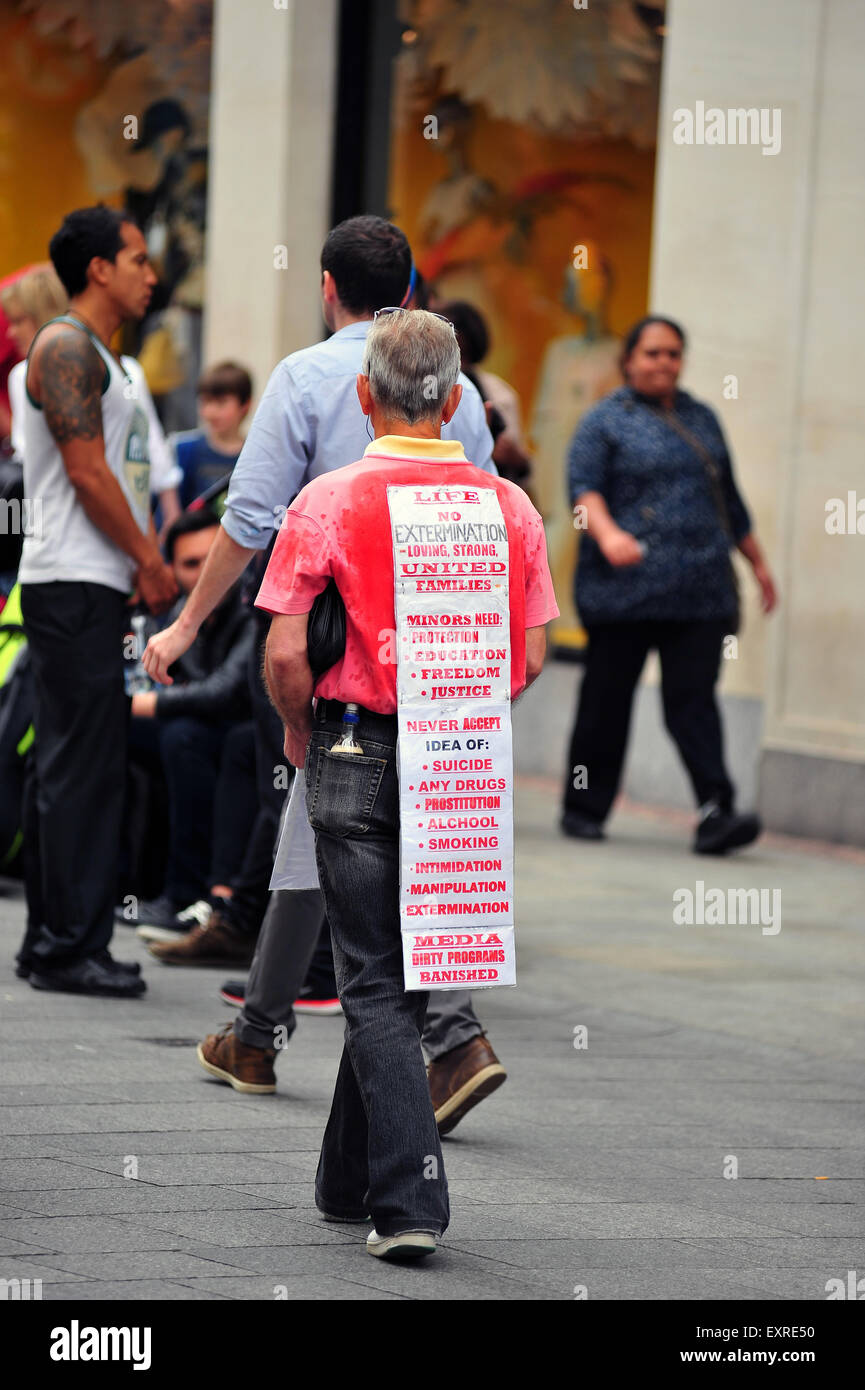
196, 915
408, 1245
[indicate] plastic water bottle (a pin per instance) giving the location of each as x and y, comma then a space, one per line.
347, 742
135, 676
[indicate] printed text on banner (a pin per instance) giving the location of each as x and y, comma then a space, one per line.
455, 757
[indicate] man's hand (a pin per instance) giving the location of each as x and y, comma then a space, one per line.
620, 547
144, 704
164, 648
296, 742
156, 585
224, 565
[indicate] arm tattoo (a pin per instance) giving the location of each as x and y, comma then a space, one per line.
71, 373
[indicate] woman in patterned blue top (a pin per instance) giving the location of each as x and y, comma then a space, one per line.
652, 485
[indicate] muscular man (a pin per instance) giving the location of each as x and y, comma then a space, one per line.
86, 459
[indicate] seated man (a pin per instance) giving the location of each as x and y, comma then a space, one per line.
199, 729
381, 1155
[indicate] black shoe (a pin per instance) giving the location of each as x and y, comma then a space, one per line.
581, 827
24, 969
233, 992
126, 967
722, 830
88, 976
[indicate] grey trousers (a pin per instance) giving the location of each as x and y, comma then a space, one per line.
286, 944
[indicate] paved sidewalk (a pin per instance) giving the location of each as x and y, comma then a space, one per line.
596, 1167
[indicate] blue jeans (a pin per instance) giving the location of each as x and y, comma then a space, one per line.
381, 1154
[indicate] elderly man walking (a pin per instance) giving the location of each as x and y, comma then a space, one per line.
381, 1156
308, 424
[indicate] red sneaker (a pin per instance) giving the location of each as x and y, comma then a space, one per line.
233, 992
314, 1004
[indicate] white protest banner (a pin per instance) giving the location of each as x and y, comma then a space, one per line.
451, 575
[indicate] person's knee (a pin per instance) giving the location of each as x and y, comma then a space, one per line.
180, 737
684, 702
238, 745
376, 1014
672, 715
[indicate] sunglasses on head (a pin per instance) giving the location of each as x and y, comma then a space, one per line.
398, 309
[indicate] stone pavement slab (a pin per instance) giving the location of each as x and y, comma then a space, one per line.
131, 1290
599, 1165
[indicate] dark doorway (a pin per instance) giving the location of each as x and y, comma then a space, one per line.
370, 37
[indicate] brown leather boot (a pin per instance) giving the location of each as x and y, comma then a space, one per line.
247, 1069
461, 1078
218, 942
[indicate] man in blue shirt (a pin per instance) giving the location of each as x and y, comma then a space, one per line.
309, 422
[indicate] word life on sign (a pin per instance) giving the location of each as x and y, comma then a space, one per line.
451, 574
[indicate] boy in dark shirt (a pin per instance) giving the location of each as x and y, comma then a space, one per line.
208, 454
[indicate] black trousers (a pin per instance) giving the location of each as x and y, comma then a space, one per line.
75, 631
208, 770
690, 654
252, 884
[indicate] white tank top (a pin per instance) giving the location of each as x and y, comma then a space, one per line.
65, 545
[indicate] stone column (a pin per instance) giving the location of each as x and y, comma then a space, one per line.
273, 100
758, 255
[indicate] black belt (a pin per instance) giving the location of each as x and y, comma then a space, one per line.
332, 711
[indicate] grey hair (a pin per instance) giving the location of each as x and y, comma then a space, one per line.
412, 360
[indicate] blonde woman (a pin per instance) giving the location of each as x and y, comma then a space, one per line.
29, 303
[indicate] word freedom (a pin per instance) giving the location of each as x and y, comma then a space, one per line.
736, 126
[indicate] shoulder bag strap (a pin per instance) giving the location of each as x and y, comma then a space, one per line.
714, 475
709, 463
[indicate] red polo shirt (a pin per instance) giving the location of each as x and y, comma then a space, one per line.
338, 527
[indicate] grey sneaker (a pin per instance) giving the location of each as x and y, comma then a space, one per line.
196, 915
408, 1245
